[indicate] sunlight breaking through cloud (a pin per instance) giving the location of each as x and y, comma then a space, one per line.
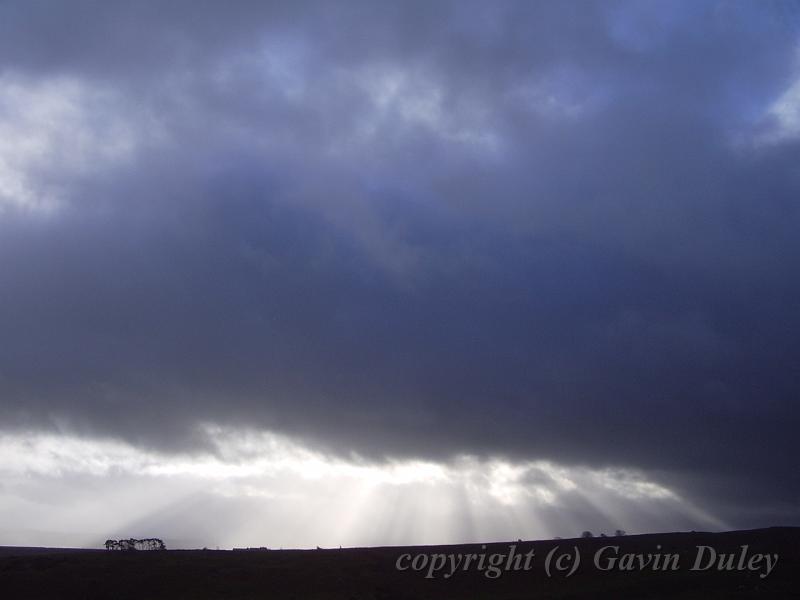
265, 489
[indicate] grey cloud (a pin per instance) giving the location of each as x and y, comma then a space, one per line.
539, 236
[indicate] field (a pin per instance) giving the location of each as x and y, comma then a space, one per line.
371, 573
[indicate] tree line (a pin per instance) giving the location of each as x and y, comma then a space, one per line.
134, 544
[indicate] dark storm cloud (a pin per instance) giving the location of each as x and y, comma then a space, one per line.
549, 231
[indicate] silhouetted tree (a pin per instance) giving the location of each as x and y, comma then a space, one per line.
587, 534
134, 544
619, 532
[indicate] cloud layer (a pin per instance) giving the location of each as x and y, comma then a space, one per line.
561, 232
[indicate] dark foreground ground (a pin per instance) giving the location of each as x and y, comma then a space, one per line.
370, 573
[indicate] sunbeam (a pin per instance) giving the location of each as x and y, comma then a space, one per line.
267, 490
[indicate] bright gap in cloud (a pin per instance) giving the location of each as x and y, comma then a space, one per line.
260, 489
55, 129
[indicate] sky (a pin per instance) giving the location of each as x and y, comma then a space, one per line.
291, 274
